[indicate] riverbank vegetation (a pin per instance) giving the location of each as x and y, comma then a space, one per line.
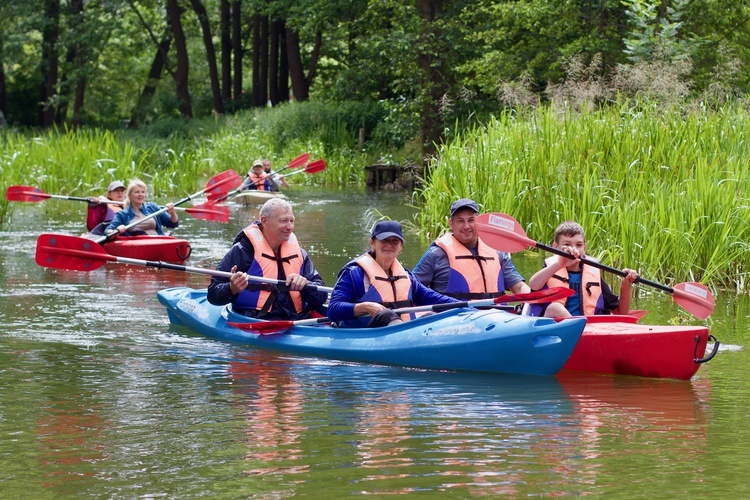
664, 189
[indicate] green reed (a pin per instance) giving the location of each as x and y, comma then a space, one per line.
662, 190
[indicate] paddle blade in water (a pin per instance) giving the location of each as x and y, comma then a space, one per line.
25, 193
62, 251
694, 298
209, 211
502, 232
263, 327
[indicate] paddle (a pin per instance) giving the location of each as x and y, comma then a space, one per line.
311, 168
216, 186
63, 251
503, 232
542, 296
32, 194
297, 162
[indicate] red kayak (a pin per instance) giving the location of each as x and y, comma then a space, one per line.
161, 248
618, 344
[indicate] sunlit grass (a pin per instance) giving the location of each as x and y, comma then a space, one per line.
662, 190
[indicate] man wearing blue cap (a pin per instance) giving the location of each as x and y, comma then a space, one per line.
370, 286
461, 265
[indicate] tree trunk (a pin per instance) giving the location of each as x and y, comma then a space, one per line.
255, 101
314, 57
273, 64
237, 48
73, 85
3, 89
299, 84
213, 72
430, 76
49, 63
263, 91
174, 11
154, 75
283, 81
226, 51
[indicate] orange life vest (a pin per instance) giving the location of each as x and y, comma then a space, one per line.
464, 282
393, 290
591, 286
261, 296
259, 181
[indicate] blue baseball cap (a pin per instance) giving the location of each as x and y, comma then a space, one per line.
386, 229
464, 203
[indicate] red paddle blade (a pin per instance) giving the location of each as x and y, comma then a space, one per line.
263, 327
299, 161
694, 298
315, 166
25, 193
219, 184
538, 297
209, 211
502, 232
62, 251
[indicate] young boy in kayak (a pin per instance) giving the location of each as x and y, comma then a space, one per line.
593, 295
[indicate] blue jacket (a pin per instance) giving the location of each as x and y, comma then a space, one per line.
350, 288
126, 216
241, 255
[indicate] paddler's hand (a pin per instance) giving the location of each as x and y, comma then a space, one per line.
238, 281
368, 308
121, 228
296, 282
630, 278
171, 211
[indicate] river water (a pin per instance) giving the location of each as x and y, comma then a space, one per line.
100, 397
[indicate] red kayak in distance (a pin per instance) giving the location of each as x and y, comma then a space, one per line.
620, 345
155, 248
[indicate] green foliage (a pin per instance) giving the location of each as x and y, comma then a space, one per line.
663, 190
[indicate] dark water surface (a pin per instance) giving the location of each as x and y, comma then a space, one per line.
100, 397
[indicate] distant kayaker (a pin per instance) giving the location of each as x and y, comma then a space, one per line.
269, 249
277, 180
136, 207
256, 178
461, 265
593, 295
100, 213
370, 286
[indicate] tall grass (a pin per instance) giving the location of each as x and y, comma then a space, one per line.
663, 190
176, 157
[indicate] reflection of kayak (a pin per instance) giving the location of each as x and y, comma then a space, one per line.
164, 248
617, 344
255, 197
457, 339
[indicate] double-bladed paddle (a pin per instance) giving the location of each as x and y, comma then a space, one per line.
216, 186
504, 233
311, 168
30, 194
541, 296
63, 251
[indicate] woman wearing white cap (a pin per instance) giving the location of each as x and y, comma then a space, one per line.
136, 207
101, 212
371, 285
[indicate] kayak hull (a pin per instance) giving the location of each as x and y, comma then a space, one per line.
461, 339
619, 345
255, 197
157, 248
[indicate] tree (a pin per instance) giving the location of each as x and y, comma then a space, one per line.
213, 72
174, 13
49, 63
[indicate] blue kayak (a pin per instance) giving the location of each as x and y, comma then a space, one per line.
458, 339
